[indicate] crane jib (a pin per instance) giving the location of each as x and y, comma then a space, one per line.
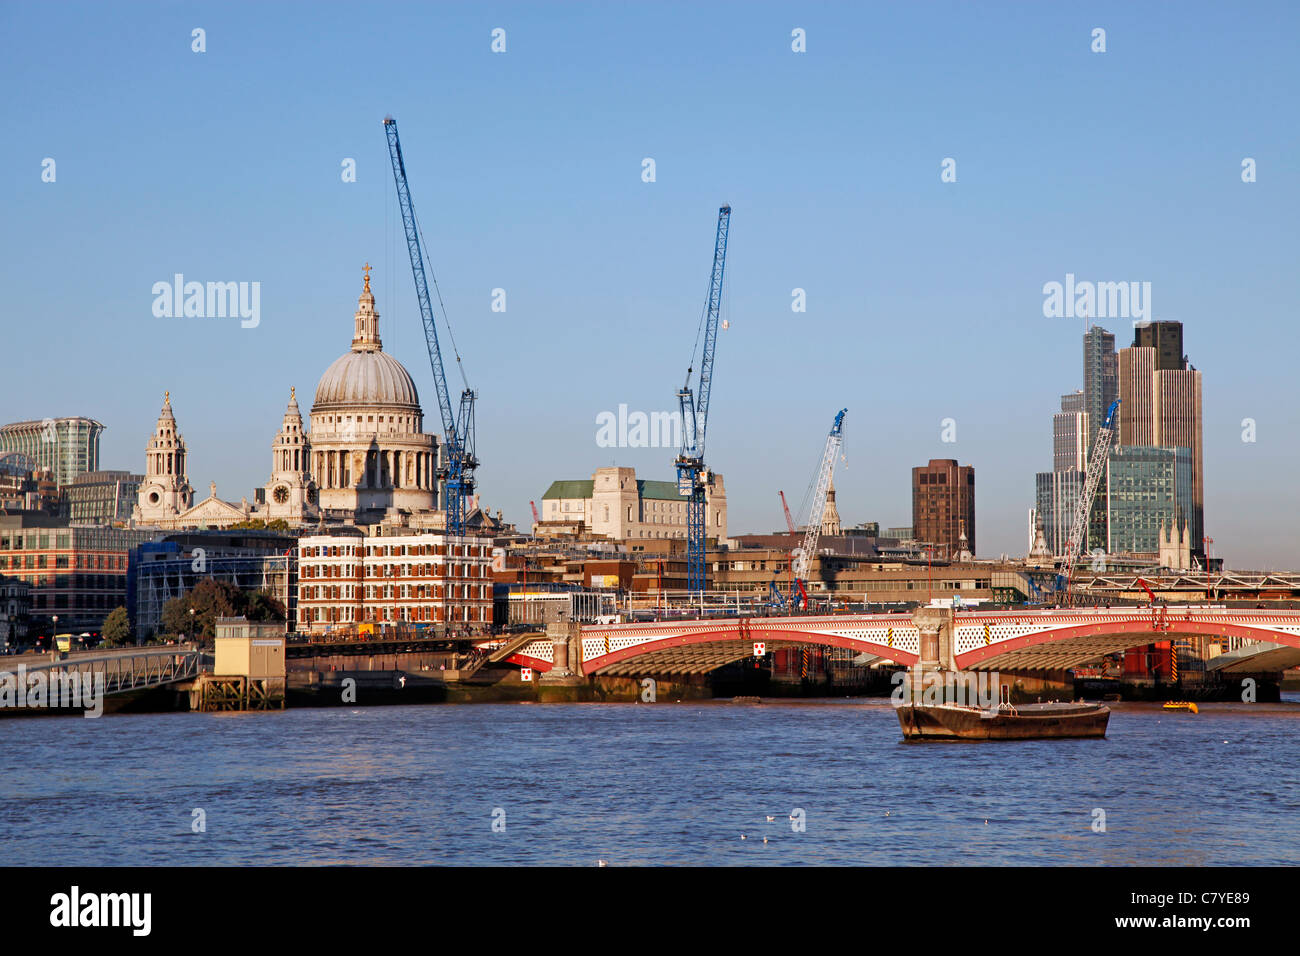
803, 557
458, 429
691, 474
711, 329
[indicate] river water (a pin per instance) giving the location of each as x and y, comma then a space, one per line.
637, 784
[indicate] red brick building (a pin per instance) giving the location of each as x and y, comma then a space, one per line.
349, 580
943, 506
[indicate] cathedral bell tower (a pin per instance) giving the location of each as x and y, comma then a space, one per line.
831, 514
165, 491
291, 493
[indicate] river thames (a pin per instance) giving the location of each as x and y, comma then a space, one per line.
644, 784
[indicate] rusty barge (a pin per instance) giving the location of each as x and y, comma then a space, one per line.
1003, 722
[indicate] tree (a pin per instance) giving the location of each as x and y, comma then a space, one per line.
248, 524
260, 606
117, 628
259, 524
211, 599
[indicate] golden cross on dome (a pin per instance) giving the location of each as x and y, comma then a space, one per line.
366, 270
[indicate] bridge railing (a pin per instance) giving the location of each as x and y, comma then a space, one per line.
130, 671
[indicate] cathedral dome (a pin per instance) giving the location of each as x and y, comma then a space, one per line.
365, 375
366, 378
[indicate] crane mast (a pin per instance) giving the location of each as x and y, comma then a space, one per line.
803, 557
692, 478
789, 521
1096, 465
456, 469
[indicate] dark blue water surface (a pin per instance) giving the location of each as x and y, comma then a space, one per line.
663, 783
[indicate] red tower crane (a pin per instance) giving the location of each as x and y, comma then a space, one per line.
789, 521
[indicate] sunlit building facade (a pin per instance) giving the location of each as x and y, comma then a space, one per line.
68, 447
1148, 489
346, 580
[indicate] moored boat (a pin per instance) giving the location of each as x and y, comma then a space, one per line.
1004, 722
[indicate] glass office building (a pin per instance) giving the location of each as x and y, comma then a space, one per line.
1057, 495
68, 447
1100, 378
1146, 486
101, 497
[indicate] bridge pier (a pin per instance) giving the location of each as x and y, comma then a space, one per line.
938, 644
566, 645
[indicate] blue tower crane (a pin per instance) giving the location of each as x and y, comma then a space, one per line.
456, 470
692, 478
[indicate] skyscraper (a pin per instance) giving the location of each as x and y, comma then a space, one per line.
1056, 497
943, 505
1166, 338
1100, 380
1160, 395
1149, 489
1070, 434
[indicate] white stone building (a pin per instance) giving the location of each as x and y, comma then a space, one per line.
165, 492
370, 456
291, 493
366, 459
617, 504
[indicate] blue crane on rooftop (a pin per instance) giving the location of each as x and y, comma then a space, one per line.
693, 478
456, 470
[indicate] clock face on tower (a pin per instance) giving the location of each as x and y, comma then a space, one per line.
281, 494
155, 495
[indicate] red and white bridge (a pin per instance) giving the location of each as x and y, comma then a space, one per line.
1030, 640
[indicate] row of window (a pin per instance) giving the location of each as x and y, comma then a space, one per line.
89, 562
408, 423
913, 585
393, 550
941, 478
386, 592
454, 570
421, 614
36, 541
81, 539
78, 602
101, 582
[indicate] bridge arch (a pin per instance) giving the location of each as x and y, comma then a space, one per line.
1113, 636
1007, 640
894, 639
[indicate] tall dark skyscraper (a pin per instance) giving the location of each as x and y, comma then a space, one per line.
1161, 392
1167, 339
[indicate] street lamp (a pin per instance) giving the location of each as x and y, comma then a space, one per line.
1207, 542
54, 639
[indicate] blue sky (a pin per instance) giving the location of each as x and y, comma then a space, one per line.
924, 298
